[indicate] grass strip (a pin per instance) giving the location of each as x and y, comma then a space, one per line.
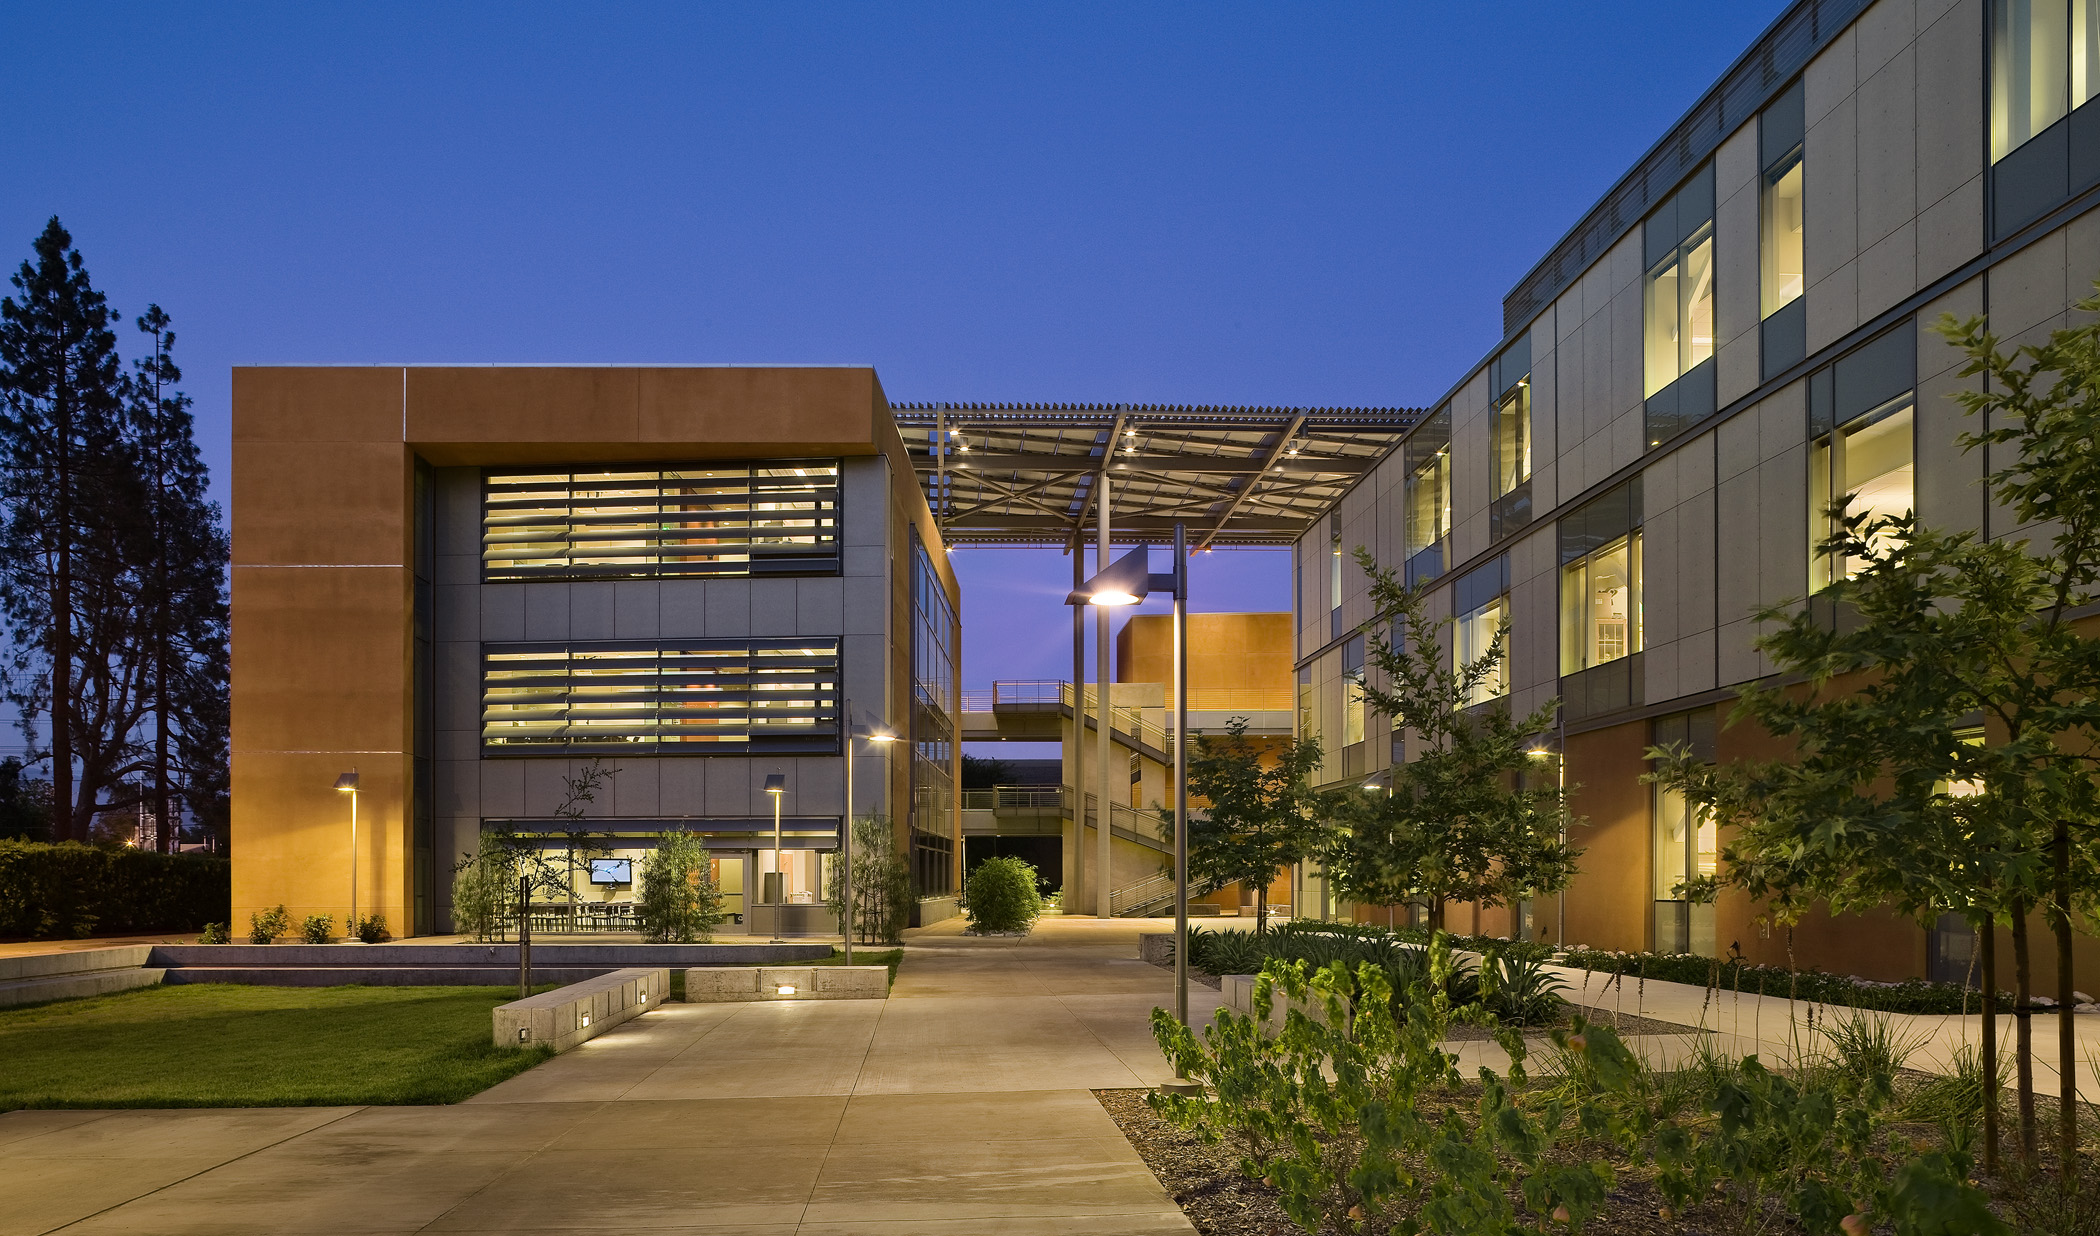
231, 1045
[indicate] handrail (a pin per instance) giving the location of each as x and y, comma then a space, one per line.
1145, 892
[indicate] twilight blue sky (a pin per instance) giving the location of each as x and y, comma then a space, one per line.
1191, 203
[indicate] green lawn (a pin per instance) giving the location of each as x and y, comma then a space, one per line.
224, 1045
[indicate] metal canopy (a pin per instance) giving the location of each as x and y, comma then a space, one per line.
1024, 474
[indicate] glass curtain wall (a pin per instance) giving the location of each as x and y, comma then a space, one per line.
933, 729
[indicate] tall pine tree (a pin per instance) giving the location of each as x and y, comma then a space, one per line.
112, 558
182, 595
61, 421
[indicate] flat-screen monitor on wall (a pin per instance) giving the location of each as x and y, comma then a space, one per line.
612, 871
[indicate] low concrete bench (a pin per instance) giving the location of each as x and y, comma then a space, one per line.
570, 1015
734, 984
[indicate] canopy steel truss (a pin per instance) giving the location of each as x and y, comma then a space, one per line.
1025, 474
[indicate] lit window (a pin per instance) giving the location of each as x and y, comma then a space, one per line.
1687, 846
1429, 502
1476, 631
1600, 605
2045, 61
697, 697
1680, 310
1511, 434
1871, 461
661, 520
1353, 692
1784, 270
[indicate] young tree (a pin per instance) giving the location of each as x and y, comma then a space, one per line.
1263, 815
60, 431
581, 844
881, 884
1882, 804
1467, 817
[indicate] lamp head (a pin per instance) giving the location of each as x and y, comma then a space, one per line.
776, 783
882, 736
347, 782
1125, 581
1540, 753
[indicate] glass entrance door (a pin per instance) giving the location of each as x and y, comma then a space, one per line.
728, 872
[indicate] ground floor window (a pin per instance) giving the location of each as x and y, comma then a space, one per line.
1686, 846
932, 864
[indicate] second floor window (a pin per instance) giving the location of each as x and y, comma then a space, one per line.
1869, 465
1600, 605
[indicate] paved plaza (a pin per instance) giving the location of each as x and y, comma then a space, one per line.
959, 1105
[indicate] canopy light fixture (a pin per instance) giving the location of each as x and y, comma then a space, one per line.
776, 783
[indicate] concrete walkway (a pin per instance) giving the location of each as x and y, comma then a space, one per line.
959, 1105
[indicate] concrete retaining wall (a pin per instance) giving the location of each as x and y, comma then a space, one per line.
581, 1011
81, 972
738, 984
443, 965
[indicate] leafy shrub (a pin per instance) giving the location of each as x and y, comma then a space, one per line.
69, 890
371, 929
265, 926
1354, 1112
316, 928
679, 902
1001, 895
216, 933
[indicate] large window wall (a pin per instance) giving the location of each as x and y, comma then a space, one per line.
661, 521
692, 697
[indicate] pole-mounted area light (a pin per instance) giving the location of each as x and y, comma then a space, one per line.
846, 837
1126, 581
776, 785
347, 783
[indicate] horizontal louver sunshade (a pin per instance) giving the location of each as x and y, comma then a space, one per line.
692, 697
779, 517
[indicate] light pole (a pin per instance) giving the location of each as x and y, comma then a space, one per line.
776, 785
846, 838
1127, 581
347, 783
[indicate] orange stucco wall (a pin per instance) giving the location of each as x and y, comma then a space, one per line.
1246, 650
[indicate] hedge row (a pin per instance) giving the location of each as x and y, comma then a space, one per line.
1908, 996
67, 891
